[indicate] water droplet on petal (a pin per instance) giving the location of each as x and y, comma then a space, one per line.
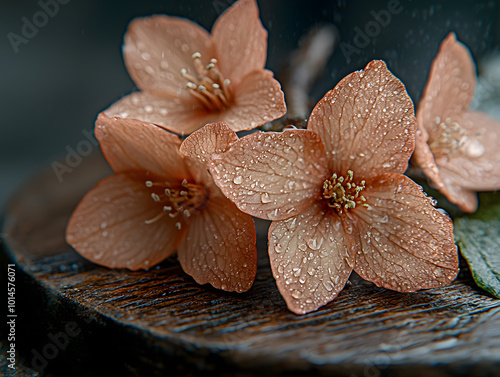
328, 285
265, 198
238, 179
384, 219
473, 148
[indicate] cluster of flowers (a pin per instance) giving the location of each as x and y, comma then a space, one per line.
335, 192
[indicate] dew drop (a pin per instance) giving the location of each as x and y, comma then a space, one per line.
474, 148
278, 248
265, 198
296, 294
328, 285
273, 214
238, 179
164, 64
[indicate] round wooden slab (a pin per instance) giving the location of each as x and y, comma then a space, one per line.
76, 318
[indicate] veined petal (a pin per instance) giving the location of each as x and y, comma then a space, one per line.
464, 198
272, 175
109, 226
220, 247
367, 123
258, 100
311, 256
405, 244
424, 158
201, 145
179, 115
450, 85
212, 139
132, 145
156, 48
241, 40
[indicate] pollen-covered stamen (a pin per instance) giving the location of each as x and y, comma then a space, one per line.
446, 138
177, 200
343, 193
208, 85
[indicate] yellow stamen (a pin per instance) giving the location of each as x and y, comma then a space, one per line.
342, 193
207, 84
181, 199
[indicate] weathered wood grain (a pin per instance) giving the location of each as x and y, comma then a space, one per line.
160, 322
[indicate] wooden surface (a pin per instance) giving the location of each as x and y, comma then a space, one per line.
160, 322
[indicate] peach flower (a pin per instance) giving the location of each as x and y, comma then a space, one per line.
188, 78
158, 201
456, 148
337, 196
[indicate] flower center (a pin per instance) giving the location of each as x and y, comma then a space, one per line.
342, 193
209, 86
177, 201
447, 138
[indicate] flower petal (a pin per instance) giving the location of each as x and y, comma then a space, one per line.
132, 145
450, 85
181, 116
241, 40
108, 226
156, 48
476, 166
367, 123
424, 159
405, 243
311, 256
211, 139
220, 247
272, 175
258, 100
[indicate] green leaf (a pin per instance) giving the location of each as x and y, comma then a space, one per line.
478, 236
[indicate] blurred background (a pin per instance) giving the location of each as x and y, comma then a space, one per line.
56, 77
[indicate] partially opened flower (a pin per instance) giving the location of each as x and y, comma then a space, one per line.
158, 201
188, 77
337, 195
456, 148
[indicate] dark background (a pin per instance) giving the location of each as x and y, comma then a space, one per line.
52, 89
